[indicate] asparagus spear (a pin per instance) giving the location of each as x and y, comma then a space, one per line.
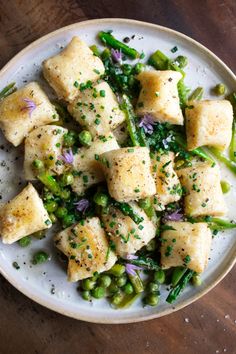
50, 183
127, 301
197, 94
127, 210
228, 163
111, 41
129, 113
7, 90
136, 282
199, 151
174, 293
232, 147
145, 262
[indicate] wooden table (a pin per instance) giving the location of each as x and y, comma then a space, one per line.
209, 325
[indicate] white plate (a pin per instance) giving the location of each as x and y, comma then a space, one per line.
37, 282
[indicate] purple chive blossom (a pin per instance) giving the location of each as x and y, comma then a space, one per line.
131, 268
147, 123
131, 256
175, 216
30, 106
166, 141
82, 205
67, 156
116, 55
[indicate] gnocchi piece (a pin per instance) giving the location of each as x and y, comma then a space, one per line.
44, 143
86, 246
128, 236
74, 66
23, 215
128, 173
97, 109
25, 110
159, 96
86, 165
168, 187
186, 244
203, 190
209, 123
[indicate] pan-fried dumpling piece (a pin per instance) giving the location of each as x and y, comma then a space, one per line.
168, 187
71, 69
87, 170
127, 236
209, 123
97, 109
159, 96
23, 215
203, 190
86, 246
45, 144
186, 244
25, 110
128, 173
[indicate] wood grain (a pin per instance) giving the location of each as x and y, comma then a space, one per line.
207, 326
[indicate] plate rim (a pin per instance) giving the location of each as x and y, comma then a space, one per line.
76, 315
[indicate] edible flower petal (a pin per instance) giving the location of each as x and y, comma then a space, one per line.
82, 205
131, 268
30, 106
116, 55
166, 141
131, 256
147, 123
175, 216
67, 156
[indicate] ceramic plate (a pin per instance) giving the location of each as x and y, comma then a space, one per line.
47, 284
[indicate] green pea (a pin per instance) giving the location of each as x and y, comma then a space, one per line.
153, 287
225, 186
159, 276
53, 218
98, 292
113, 288
127, 68
86, 295
196, 280
51, 206
40, 257
182, 61
101, 199
61, 212
88, 284
104, 281
139, 67
116, 299
69, 139
85, 138
145, 203
128, 289
117, 270
68, 220
65, 194
151, 299
67, 179
121, 281
25, 241
38, 164
219, 89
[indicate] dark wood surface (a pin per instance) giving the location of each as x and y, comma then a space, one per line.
207, 326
